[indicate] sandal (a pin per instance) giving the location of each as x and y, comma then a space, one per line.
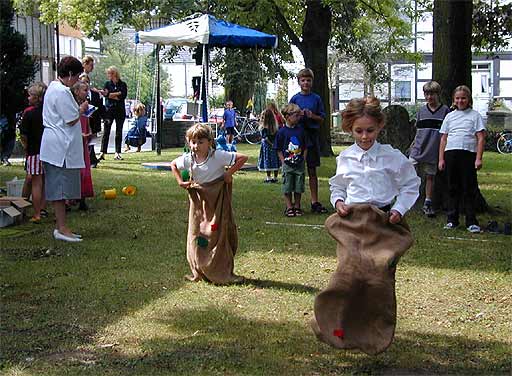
35, 220
317, 207
298, 212
43, 213
289, 212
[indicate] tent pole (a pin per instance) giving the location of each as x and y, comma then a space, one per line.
158, 105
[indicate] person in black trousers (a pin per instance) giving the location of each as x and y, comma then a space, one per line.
114, 92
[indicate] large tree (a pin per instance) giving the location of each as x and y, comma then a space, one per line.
307, 24
17, 68
451, 58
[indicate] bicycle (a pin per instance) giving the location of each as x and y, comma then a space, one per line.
504, 143
247, 130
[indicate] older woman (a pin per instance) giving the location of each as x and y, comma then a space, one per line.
61, 145
115, 92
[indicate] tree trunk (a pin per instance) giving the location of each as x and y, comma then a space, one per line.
316, 33
451, 60
451, 67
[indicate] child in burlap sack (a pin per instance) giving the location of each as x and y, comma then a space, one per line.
212, 238
374, 186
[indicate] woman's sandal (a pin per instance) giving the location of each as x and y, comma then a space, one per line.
298, 212
289, 212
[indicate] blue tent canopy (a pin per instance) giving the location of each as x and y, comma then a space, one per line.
208, 30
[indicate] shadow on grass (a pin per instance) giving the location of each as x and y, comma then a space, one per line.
292, 287
216, 341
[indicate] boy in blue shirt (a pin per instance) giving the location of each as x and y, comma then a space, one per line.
313, 115
290, 144
229, 121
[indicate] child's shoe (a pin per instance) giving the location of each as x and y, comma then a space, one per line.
450, 226
317, 207
35, 220
428, 210
492, 227
507, 228
474, 229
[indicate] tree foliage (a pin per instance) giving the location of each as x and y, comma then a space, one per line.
492, 25
135, 68
17, 68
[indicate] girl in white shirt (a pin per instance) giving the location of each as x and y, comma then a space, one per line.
212, 234
368, 172
460, 153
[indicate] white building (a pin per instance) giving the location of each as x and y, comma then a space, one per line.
491, 77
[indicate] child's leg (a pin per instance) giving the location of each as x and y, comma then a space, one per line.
469, 186
429, 186
296, 200
288, 200
313, 184
37, 194
454, 190
268, 175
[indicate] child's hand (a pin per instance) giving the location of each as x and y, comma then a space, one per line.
342, 209
478, 164
441, 165
84, 107
228, 177
185, 184
307, 113
394, 217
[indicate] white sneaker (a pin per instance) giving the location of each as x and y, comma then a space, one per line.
475, 229
449, 226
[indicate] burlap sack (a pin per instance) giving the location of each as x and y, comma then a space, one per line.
212, 238
358, 307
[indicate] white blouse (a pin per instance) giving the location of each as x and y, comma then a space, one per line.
61, 143
376, 176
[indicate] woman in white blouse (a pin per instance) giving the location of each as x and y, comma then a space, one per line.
61, 145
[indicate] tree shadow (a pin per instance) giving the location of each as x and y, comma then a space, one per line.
216, 341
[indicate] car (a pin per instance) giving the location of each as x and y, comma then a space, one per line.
216, 115
172, 106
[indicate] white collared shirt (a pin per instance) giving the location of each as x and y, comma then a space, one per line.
375, 176
61, 143
461, 127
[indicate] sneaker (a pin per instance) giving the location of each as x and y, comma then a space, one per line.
474, 229
428, 210
317, 207
449, 226
492, 227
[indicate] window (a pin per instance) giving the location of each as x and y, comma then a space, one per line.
402, 91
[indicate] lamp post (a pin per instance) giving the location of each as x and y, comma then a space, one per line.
156, 23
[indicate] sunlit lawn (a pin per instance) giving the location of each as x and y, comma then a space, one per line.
117, 304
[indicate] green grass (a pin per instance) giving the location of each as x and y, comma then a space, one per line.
117, 304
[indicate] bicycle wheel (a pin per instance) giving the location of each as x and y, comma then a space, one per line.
251, 132
504, 144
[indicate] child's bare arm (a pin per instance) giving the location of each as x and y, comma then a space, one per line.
479, 149
442, 146
281, 156
240, 160
177, 174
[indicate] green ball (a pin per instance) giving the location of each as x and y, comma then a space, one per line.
185, 175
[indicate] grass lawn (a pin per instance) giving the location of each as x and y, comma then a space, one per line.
117, 303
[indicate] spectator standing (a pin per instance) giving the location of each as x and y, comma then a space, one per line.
425, 149
229, 121
268, 160
31, 130
115, 92
94, 98
460, 153
313, 115
61, 144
